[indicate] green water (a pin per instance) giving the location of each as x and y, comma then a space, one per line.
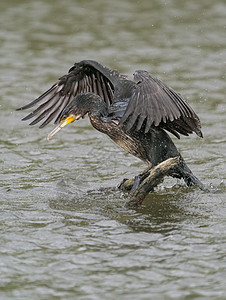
61, 236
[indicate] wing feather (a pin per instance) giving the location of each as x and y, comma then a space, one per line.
153, 103
85, 76
55, 111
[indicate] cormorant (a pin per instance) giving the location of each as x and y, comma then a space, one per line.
134, 114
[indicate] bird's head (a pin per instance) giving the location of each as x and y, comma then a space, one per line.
76, 109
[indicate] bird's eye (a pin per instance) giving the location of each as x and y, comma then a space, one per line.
63, 117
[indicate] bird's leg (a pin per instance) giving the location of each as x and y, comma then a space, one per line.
121, 184
133, 183
138, 180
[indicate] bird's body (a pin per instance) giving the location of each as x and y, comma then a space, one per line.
151, 147
134, 114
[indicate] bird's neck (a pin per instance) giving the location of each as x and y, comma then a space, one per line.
97, 108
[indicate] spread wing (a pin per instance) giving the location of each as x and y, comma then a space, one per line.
153, 103
85, 76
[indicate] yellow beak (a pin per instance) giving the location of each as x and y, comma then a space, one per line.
62, 124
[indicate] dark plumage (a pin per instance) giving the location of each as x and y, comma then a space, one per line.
135, 114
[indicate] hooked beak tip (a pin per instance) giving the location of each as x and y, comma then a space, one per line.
62, 124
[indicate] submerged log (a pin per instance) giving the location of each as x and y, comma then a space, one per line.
154, 177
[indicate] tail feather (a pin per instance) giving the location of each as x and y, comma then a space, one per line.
184, 172
190, 179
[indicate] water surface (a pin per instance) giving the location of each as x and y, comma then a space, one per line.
62, 237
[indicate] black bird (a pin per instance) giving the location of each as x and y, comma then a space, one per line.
134, 114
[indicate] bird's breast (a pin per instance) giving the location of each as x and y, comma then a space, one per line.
125, 140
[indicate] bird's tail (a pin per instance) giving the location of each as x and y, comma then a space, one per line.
184, 172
